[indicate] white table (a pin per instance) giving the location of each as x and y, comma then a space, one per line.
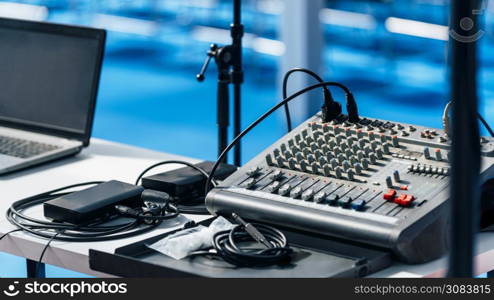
104, 161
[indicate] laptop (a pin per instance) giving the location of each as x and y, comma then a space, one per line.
49, 76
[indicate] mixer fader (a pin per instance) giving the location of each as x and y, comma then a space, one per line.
375, 182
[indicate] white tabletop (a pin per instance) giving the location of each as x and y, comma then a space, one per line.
105, 161
101, 161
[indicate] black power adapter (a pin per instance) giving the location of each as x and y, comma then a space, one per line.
92, 203
186, 183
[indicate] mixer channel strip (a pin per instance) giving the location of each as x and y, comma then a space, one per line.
321, 192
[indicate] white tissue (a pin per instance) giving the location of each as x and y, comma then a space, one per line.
184, 242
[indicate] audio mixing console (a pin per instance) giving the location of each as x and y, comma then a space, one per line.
374, 182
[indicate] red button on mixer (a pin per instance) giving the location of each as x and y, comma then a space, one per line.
404, 200
390, 195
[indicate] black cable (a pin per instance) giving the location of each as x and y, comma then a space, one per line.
229, 246
40, 260
486, 125
90, 232
7, 233
264, 116
285, 84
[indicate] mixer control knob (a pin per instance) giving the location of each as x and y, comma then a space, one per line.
445, 171
298, 138
379, 153
321, 142
319, 197
329, 156
351, 175
303, 166
249, 183
367, 150
360, 155
395, 142
318, 154
389, 183
307, 195
427, 153
311, 158
273, 186
280, 161
346, 165
372, 158
358, 168
396, 176
292, 164
296, 192
269, 160
386, 148
315, 168
365, 163
341, 158
361, 143
299, 156
327, 171
338, 172
334, 163
277, 174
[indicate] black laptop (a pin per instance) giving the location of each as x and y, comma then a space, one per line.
49, 76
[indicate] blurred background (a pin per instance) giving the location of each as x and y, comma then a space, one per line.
392, 54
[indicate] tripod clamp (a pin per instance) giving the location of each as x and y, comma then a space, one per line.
223, 56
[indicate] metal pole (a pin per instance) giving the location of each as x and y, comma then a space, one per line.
237, 32
464, 185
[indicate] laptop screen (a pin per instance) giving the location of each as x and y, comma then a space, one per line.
49, 75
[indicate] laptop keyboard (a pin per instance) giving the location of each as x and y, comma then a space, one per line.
23, 148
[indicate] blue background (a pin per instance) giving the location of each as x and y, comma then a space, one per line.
149, 96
